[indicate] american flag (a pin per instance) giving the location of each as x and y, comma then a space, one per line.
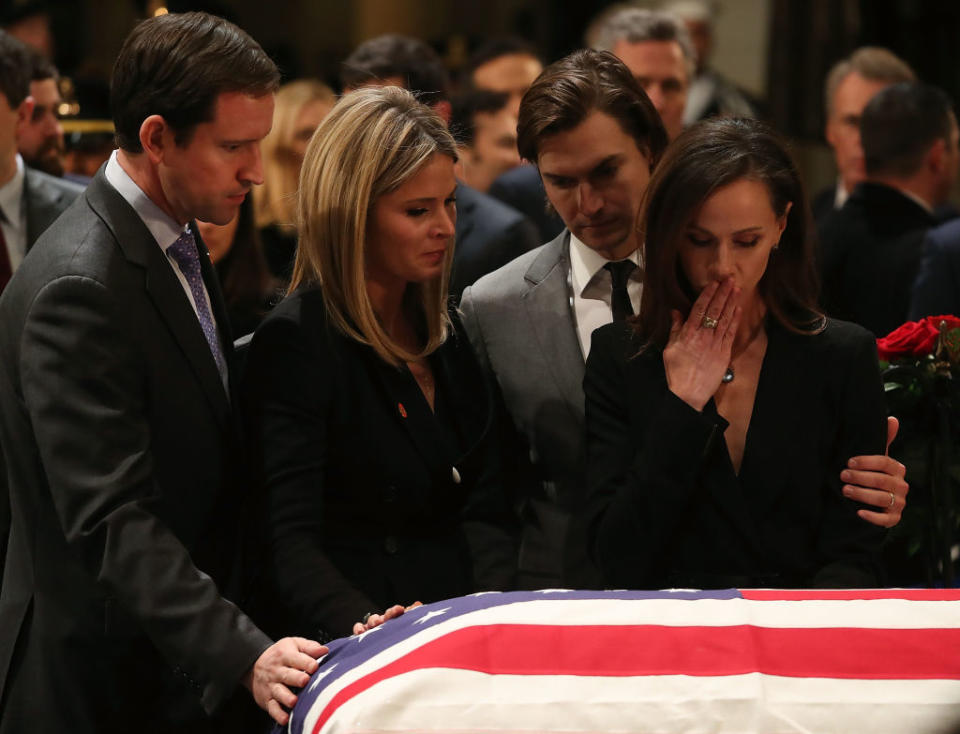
740, 661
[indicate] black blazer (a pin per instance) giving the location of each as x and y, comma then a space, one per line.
366, 492
124, 486
667, 510
870, 254
522, 188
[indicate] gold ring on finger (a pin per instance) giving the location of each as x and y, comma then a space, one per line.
708, 323
893, 499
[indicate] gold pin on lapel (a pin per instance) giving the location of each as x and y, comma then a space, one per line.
402, 410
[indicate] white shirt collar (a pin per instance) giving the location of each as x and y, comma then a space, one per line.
920, 202
11, 197
840, 194
585, 263
162, 226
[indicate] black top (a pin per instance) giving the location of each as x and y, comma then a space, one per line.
665, 506
370, 499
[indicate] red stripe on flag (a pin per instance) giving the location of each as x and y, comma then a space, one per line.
850, 594
636, 650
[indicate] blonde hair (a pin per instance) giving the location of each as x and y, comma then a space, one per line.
274, 202
374, 140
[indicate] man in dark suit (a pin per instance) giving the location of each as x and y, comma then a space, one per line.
871, 247
40, 136
849, 85
594, 136
115, 415
506, 65
489, 233
657, 49
29, 200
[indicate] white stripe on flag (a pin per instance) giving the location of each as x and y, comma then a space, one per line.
457, 701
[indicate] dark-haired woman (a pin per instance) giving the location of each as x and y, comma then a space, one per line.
719, 421
237, 253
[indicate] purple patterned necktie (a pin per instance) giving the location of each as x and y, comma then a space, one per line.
184, 251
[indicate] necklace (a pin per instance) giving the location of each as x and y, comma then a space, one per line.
730, 374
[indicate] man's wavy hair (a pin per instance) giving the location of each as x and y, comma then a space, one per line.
570, 90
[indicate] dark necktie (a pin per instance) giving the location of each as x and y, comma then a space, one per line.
6, 269
184, 251
620, 299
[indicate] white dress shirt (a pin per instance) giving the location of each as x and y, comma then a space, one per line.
840, 194
14, 220
161, 225
592, 288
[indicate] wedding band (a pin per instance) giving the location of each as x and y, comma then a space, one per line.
708, 323
893, 499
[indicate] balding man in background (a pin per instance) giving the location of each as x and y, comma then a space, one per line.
871, 247
850, 84
657, 49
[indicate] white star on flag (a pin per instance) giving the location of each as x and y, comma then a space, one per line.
321, 676
430, 615
369, 631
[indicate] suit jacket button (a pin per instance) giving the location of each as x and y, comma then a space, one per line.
455, 475
390, 545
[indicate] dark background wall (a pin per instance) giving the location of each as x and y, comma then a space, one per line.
310, 37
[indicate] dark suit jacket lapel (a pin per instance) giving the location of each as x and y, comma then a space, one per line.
41, 205
547, 304
163, 287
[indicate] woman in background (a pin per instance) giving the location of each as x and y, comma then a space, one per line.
368, 412
237, 253
300, 107
729, 375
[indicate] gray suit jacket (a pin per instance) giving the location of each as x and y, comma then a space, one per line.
520, 322
46, 199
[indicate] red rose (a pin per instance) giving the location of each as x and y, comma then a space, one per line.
913, 339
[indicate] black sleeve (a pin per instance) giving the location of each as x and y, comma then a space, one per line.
641, 469
848, 547
288, 392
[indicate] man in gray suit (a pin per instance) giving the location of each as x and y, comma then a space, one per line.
29, 200
595, 137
